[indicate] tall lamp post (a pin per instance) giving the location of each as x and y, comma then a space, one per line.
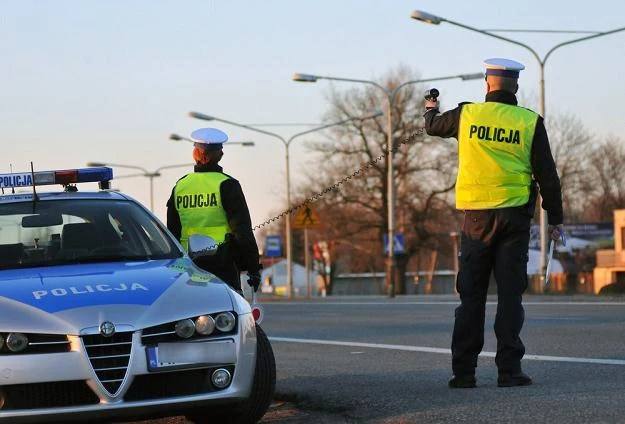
145, 173
390, 196
287, 143
436, 20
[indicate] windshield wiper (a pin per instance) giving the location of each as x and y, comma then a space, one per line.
107, 258
117, 258
91, 259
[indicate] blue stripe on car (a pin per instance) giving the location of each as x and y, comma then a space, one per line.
59, 288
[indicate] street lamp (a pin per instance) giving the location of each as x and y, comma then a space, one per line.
287, 143
436, 20
177, 137
145, 173
390, 100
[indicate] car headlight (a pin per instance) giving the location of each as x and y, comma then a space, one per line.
16, 342
204, 325
185, 328
225, 321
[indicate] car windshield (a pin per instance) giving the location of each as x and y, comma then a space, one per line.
58, 232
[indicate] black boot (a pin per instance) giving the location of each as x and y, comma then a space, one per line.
462, 382
516, 379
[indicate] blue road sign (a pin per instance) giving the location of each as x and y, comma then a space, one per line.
398, 244
273, 247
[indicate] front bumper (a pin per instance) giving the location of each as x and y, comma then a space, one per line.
63, 387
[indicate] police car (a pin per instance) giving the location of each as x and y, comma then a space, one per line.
103, 316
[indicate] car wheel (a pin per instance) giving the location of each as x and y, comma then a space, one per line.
263, 388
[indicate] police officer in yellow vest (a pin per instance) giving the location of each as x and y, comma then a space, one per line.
212, 203
503, 151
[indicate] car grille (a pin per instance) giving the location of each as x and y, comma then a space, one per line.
170, 384
109, 358
159, 334
48, 395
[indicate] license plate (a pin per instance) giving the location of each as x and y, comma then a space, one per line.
188, 355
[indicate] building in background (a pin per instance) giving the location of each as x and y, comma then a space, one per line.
610, 266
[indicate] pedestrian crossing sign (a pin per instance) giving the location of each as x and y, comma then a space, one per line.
398, 244
305, 217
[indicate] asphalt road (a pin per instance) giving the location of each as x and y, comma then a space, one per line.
380, 360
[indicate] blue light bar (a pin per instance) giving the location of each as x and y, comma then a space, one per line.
63, 177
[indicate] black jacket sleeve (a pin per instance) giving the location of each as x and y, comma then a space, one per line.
545, 173
443, 124
173, 218
240, 223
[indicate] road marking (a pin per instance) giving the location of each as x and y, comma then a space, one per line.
556, 319
442, 302
446, 351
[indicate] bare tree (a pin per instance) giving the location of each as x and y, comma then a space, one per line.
571, 146
607, 178
357, 158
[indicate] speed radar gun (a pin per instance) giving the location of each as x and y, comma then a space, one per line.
552, 244
432, 94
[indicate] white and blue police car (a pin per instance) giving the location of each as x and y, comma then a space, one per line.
103, 316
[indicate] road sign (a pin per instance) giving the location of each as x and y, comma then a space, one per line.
398, 244
305, 217
273, 247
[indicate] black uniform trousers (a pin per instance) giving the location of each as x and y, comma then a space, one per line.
493, 240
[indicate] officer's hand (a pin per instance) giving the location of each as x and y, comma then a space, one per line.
431, 104
554, 231
253, 279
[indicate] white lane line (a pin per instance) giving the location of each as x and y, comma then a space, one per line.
446, 351
442, 302
557, 319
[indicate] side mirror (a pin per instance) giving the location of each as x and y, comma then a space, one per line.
201, 245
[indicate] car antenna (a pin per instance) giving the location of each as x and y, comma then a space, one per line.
12, 187
35, 197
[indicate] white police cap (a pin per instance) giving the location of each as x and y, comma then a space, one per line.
503, 67
209, 138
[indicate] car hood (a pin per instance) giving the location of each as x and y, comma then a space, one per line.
73, 298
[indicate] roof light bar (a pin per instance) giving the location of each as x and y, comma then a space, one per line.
63, 177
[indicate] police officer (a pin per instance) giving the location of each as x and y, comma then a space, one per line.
503, 151
212, 203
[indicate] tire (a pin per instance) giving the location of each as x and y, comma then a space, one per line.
263, 388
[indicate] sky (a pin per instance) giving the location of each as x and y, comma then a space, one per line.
109, 81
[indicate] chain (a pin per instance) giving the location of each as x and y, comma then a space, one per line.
363, 169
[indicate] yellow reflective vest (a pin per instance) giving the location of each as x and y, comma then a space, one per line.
494, 148
198, 202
